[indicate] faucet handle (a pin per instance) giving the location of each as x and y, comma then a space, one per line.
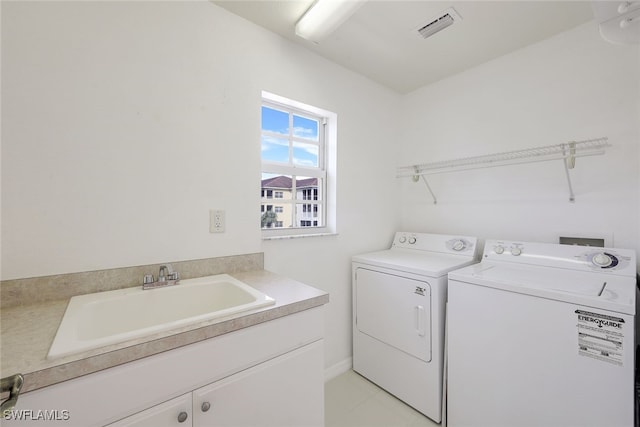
148, 278
174, 276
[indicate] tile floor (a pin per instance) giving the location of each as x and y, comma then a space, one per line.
353, 401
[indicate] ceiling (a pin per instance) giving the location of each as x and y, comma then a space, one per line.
378, 41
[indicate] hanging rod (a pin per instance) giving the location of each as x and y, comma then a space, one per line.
568, 152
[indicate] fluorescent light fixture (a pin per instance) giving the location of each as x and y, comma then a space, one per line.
324, 17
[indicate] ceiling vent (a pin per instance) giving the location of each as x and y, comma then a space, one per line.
444, 20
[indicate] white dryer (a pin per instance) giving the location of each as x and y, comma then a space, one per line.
542, 335
399, 298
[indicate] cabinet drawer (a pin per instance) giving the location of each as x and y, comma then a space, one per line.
174, 413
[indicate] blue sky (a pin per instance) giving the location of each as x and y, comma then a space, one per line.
277, 149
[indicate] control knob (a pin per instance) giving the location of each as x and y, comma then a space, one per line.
458, 245
402, 239
499, 249
412, 240
602, 260
516, 251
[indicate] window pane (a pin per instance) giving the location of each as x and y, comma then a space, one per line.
276, 189
305, 154
266, 175
305, 128
274, 185
275, 120
308, 188
309, 215
268, 217
275, 149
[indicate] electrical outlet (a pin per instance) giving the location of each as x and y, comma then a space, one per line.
216, 221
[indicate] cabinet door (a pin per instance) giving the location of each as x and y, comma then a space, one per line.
285, 391
173, 413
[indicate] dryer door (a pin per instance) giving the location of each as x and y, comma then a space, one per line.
395, 310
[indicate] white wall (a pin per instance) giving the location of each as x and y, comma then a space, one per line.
125, 122
574, 86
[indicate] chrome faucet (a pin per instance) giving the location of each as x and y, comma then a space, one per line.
166, 277
164, 269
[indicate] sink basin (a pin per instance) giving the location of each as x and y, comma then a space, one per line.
103, 318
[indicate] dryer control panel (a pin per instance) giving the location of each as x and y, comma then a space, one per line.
443, 243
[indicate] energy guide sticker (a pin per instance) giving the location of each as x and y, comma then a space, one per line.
600, 336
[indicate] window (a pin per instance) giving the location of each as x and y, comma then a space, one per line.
310, 194
298, 167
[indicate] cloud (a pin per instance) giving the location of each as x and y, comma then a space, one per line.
302, 132
311, 150
306, 162
276, 149
270, 142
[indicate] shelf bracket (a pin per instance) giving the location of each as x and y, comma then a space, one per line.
417, 177
569, 162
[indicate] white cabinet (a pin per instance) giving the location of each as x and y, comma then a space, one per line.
271, 373
280, 392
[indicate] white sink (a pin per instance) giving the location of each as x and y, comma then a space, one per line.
103, 318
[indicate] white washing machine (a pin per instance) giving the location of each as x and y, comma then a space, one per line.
542, 335
399, 298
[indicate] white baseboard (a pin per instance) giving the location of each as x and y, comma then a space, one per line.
337, 369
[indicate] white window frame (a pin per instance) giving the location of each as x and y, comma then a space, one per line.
326, 170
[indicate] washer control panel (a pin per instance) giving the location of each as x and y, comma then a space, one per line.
617, 261
435, 243
605, 259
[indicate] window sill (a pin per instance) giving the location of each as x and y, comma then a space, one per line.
297, 236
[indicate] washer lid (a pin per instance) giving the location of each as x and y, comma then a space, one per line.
431, 264
592, 289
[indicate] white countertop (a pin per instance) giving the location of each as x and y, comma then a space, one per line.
28, 331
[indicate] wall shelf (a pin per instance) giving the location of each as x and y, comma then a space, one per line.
567, 152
